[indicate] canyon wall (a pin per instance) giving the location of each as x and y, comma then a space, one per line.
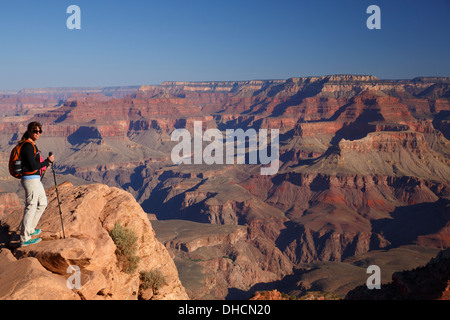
364, 166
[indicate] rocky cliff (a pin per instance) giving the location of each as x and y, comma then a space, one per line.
90, 214
428, 282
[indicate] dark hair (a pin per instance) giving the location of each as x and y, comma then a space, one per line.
31, 126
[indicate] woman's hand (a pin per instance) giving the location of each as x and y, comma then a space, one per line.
51, 158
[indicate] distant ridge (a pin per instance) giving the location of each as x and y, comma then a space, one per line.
118, 91
8, 92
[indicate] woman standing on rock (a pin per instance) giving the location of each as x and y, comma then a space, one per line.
35, 197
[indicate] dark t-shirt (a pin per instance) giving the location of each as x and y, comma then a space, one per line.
31, 162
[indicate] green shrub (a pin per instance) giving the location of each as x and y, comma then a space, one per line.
125, 241
153, 279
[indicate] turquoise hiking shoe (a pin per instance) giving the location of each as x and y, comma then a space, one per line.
31, 241
36, 232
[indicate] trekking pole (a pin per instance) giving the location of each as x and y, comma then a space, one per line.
43, 173
57, 196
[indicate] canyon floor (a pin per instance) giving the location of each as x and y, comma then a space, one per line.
363, 174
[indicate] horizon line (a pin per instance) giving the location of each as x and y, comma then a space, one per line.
16, 91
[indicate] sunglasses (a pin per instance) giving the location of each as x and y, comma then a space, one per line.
37, 131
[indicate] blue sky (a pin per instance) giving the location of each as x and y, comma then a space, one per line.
146, 42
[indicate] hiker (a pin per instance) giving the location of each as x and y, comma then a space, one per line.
35, 197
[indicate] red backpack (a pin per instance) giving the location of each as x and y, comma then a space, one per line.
15, 163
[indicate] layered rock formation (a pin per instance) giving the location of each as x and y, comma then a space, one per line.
90, 212
212, 258
364, 166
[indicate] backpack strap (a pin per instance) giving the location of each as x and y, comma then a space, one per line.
32, 143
